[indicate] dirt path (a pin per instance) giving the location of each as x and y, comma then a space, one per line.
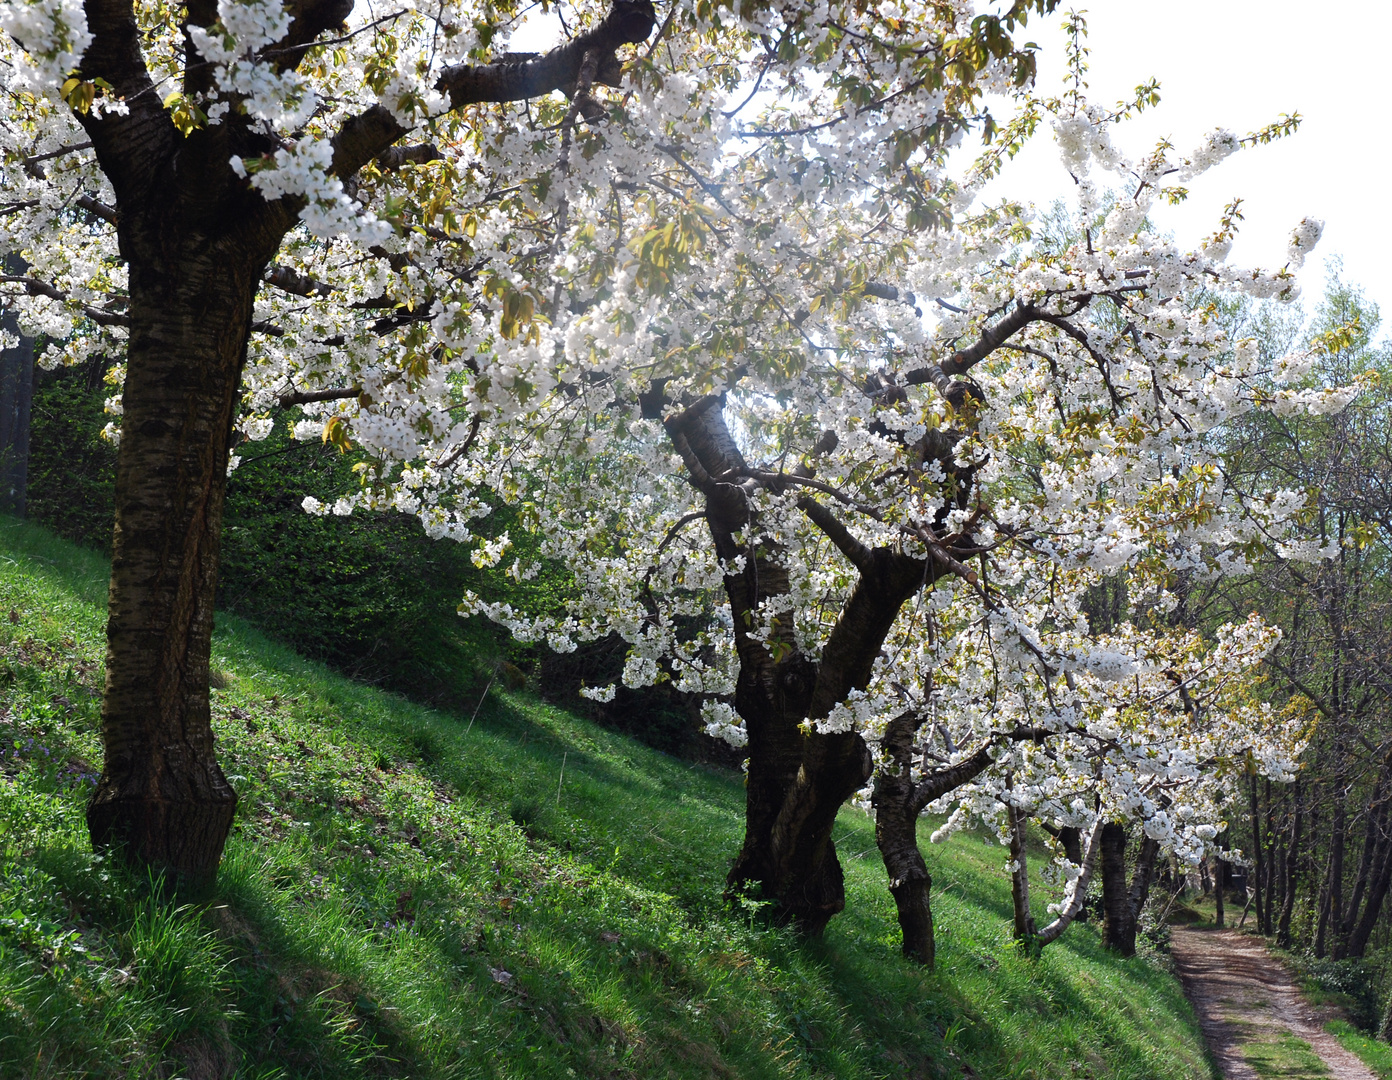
1247, 1003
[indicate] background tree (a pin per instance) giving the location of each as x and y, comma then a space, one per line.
1326, 840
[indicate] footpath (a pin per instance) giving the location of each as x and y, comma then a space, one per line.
1257, 1023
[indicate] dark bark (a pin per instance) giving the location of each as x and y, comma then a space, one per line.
1141, 878
896, 835
1116, 904
162, 799
1259, 863
197, 242
1292, 874
1381, 877
798, 777
1025, 929
1072, 840
1353, 935
16, 390
1122, 905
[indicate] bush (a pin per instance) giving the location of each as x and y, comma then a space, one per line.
1356, 981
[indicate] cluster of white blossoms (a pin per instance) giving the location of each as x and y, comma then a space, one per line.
512, 317
54, 35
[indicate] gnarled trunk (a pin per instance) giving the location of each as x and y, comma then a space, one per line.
798, 777
896, 835
162, 799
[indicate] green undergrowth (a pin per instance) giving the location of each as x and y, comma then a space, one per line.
1376, 1055
523, 894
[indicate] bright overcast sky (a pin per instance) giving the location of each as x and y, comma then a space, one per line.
1239, 64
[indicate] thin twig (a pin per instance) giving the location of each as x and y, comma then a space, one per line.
480, 703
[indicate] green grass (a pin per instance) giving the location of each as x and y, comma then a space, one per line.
404, 895
1284, 1056
1376, 1055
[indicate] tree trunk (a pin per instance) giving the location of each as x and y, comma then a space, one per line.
1292, 875
1117, 934
1219, 884
1258, 867
1019, 877
1377, 893
896, 835
798, 778
16, 390
162, 799
1139, 892
1331, 893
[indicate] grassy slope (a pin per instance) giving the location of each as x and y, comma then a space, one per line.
406, 896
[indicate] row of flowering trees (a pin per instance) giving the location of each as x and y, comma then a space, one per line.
833, 447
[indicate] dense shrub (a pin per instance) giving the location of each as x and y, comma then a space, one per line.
1357, 983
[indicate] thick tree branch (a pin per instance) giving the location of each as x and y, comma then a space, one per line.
308, 397
131, 147
96, 208
35, 287
395, 157
962, 361
860, 555
372, 132
628, 23
292, 281
311, 18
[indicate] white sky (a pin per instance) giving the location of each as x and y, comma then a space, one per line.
1239, 64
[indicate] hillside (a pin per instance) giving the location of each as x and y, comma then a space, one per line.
415, 894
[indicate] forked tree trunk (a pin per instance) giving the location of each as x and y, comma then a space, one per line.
798, 777
1122, 906
162, 798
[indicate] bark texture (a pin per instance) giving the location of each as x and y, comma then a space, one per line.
1122, 905
197, 241
162, 799
16, 389
798, 777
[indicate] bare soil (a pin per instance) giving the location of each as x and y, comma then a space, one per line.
1244, 997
